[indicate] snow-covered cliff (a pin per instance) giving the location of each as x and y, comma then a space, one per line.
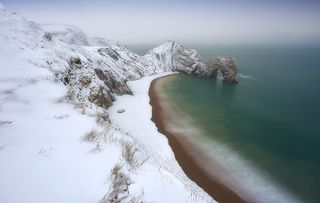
56, 86
66, 50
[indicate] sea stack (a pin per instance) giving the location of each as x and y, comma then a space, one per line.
227, 66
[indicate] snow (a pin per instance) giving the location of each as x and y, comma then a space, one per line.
42, 148
164, 177
137, 111
44, 156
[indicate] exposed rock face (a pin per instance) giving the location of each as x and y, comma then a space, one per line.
84, 85
116, 86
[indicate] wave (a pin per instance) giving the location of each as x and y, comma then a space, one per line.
244, 76
240, 75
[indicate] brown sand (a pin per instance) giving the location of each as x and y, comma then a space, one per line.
190, 166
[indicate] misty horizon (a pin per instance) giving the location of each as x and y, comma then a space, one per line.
189, 22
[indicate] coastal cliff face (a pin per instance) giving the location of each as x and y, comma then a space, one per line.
179, 59
94, 72
112, 66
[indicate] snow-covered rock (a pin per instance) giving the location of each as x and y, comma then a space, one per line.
55, 90
116, 65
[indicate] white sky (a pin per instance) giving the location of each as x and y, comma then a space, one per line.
216, 25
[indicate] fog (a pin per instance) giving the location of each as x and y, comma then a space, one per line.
184, 21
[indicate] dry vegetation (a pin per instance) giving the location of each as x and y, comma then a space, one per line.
91, 136
102, 118
119, 189
129, 154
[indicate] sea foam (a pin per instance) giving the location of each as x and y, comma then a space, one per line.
245, 76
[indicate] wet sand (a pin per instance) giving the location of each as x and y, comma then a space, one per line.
188, 161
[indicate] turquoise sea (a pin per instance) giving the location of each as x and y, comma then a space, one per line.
271, 118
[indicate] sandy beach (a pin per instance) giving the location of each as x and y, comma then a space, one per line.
187, 161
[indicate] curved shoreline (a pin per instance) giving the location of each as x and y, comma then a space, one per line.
190, 166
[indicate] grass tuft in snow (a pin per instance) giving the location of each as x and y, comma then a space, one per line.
119, 189
116, 169
91, 136
102, 118
129, 152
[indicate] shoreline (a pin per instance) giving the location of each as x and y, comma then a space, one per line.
188, 163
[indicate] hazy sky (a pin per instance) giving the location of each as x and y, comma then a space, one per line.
198, 21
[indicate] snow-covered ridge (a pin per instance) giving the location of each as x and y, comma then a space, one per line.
56, 90
67, 52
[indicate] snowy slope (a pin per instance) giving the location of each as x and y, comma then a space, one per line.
61, 136
42, 156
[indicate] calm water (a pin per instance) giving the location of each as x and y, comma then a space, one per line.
271, 117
